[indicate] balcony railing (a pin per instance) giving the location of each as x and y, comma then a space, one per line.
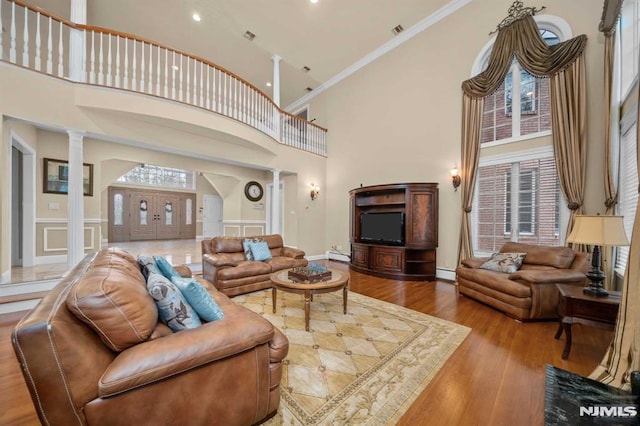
43, 42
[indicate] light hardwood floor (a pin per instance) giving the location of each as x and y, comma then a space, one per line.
496, 377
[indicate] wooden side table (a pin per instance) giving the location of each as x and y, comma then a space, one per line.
577, 307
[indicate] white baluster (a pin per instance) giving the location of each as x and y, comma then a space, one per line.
180, 79
195, 82
235, 98
12, 49
83, 67
158, 74
188, 88
25, 41
134, 61
166, 73
49, 49
109, 63
126, 63
60, 53
150, 79
208, 105
142, 68
38, 63
226, 94
173, 77
101, 63
215, 105
92, 73
118, 60
201, 83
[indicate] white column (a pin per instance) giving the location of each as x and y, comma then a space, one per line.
276, 79
76, 41
75, 200
276, 94
275, 203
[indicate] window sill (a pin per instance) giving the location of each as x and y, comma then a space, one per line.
516, 139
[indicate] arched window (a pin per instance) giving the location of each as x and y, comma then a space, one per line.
518, 195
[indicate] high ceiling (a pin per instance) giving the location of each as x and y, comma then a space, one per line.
327, 36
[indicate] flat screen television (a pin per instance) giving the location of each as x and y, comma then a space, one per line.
382, 228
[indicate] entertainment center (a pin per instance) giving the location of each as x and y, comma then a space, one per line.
394, 230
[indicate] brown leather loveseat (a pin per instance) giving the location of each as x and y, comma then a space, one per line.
530, 292
127, 368
225, 265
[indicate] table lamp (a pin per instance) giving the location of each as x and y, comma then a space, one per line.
597, 231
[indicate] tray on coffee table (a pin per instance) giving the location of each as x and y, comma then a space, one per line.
309, 274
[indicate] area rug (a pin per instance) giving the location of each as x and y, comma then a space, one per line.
363, 368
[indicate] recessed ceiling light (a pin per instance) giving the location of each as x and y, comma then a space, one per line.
196, 17
314, 1
249, 35
268, 84
397, 29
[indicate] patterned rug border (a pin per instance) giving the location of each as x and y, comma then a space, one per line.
394, 407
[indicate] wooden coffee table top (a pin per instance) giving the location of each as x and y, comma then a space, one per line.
337, 280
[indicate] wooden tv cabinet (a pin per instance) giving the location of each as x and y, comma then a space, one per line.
416, 259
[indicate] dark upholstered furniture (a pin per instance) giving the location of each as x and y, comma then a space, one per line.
225, 266
223, 372
530, 292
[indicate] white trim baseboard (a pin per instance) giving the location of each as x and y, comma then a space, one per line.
445, 274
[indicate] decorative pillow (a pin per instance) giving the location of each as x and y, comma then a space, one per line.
504, 262
260, 251
199, 298
116, 306
148, 266
165, 267
173, 309
246, 245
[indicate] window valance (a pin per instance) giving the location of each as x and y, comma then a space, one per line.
522, 39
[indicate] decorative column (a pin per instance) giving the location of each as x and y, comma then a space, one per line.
75, 199
275, 203
76, 42
276, 94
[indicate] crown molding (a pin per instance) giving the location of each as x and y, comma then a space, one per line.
401, 38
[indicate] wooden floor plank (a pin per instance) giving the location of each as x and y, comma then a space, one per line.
495, 377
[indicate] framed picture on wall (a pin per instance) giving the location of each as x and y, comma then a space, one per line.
55, 174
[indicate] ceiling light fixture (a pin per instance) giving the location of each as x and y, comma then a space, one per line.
268, 84
314, 1
249, 35
196, 17
397, 29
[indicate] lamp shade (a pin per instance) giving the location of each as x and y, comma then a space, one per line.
598, 230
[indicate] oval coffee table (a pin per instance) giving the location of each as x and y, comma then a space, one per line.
280, 281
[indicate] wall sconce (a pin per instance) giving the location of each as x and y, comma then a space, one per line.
315, 191
455, 177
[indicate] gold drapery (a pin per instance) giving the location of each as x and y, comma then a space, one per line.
623, 355
564, 64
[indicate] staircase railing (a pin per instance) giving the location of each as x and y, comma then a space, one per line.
35, 39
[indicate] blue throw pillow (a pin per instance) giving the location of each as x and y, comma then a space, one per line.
173, 309
260, 251
199, 298
165, 267
148, 266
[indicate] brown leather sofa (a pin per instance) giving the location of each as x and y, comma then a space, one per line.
224, 263
530, 292
223, 372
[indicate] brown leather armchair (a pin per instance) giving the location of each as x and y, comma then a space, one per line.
223, 372
530, 292
225, 266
